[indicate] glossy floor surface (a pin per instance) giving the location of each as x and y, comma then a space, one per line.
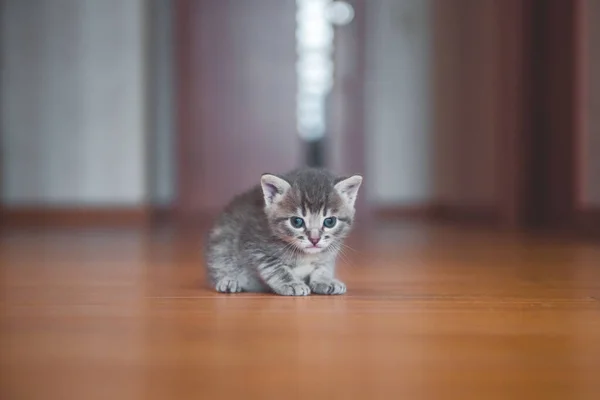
430, 313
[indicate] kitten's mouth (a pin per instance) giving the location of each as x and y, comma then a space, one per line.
313, 249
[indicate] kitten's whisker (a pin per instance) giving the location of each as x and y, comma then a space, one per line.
341, 254
281, 253
291, 253
286, 253
346, 257
349, 248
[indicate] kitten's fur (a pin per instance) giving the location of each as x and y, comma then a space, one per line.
254, 246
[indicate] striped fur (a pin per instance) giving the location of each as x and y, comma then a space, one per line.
255, 247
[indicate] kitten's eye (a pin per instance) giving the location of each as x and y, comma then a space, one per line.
329, 222
297, 222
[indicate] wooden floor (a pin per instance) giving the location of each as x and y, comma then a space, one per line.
430, 313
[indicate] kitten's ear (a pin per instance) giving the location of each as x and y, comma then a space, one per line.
274, 188
348, 188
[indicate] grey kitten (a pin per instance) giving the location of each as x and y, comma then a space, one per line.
283, 235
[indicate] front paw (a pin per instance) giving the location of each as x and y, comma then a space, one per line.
328, 287
228, 285
293, 289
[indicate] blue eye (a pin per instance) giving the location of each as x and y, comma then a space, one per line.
297, 222
329, 222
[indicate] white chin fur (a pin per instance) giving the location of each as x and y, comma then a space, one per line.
313, 250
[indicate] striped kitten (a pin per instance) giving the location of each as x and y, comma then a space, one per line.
283, 236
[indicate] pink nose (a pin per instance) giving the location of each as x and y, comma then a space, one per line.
315, 240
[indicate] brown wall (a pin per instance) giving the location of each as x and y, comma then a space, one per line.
236, 101
465, 94
590, 195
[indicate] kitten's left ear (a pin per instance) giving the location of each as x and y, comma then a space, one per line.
348, 188
273, 188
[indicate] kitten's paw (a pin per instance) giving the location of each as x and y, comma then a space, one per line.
293, 289
329, 287
228, 285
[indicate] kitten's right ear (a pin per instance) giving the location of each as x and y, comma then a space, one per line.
273, 188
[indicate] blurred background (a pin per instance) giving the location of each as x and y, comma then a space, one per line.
150, 110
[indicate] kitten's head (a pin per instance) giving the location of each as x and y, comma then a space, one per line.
311, 209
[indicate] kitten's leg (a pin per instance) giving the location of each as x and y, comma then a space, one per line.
321, 281
223, 267
280, 279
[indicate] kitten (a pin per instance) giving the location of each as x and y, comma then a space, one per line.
283, 236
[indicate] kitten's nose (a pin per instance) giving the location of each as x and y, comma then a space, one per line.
314, 237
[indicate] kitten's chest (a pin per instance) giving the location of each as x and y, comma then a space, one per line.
303, 268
